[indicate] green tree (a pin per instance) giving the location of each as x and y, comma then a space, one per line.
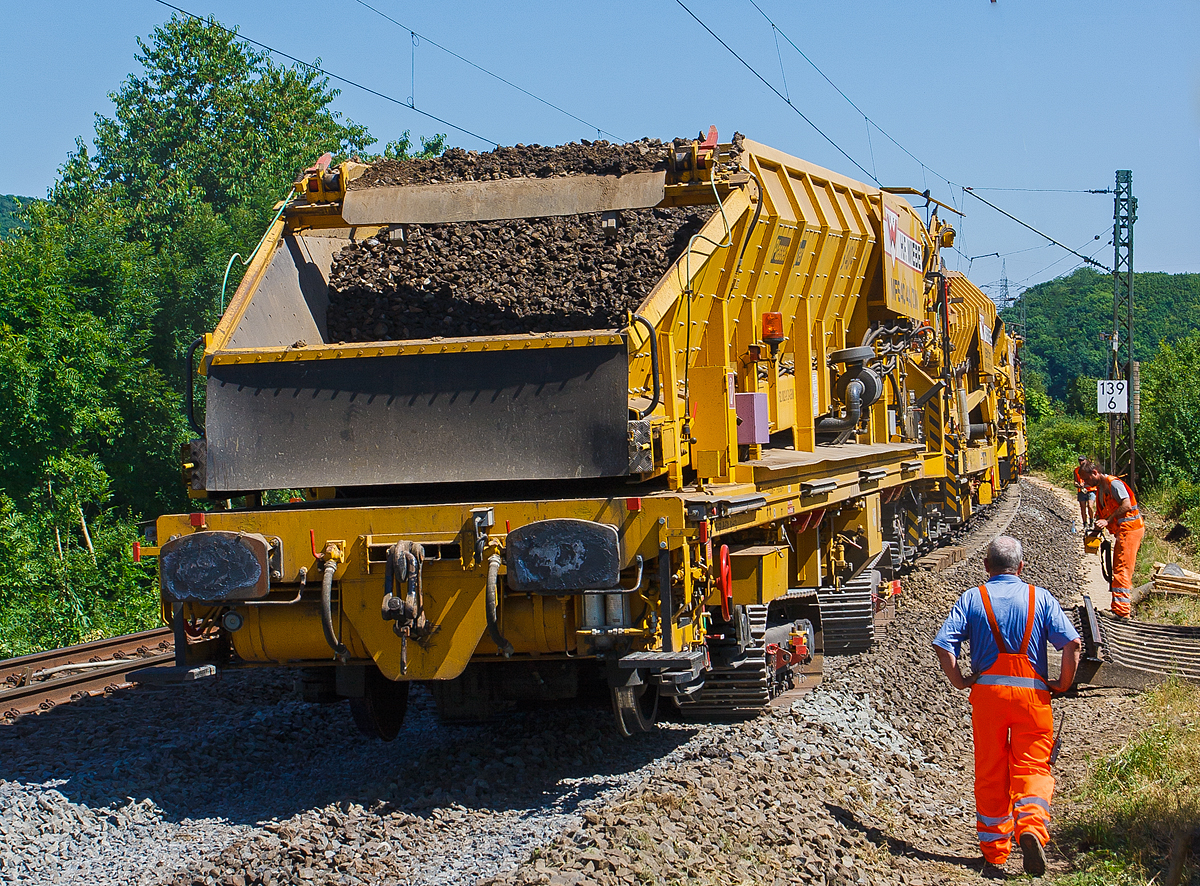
1067, 319
1081, 396
1038, 404
102, 291
202, 144
77, 304
213, 122
401, 148
10, 212
1169, 433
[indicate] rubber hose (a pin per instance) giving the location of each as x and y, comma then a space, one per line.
653, 341
327, 610
854, 392
754, 221
493, 602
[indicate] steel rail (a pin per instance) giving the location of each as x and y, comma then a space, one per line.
102, 665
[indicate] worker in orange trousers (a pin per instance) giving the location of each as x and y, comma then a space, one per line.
1007, 624
1117, 511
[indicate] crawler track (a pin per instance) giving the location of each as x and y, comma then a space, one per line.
39, 682
740, 691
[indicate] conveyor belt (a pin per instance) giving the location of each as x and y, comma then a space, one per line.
1163, 649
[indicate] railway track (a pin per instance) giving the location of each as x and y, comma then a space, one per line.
1001, 515
38, 682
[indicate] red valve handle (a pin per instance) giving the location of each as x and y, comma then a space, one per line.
725, 584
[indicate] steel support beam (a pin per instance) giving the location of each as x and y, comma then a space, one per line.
1122, 459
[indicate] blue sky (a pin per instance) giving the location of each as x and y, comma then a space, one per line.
992, 95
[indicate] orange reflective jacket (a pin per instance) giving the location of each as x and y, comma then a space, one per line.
1107, 503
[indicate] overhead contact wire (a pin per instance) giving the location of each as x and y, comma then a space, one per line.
1036, 231
484, 70
331, 75
849, 100
782, 97
1052, 190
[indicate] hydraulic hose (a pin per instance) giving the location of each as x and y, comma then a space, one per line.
493, 603
854, 393
327, 610
653, 365
1106, 560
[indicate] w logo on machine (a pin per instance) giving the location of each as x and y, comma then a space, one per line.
891, 223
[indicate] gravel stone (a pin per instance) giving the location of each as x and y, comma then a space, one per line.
491, 278
519, 161
866, 779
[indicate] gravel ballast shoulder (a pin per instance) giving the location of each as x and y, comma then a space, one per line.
867, 779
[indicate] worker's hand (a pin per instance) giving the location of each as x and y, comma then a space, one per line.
1100, 523
1057, 686
964, 682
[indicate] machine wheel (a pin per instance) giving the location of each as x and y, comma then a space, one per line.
380, 712
635, 707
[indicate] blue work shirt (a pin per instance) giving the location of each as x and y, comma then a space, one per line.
1010, 596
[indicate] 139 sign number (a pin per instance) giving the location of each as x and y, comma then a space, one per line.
1112, 396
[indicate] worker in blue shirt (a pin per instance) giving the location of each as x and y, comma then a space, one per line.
1008, 624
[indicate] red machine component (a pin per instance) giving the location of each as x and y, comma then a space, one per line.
725, 584
796, 652
807, 520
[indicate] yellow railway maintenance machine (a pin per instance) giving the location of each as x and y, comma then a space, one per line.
968, 409
668, 507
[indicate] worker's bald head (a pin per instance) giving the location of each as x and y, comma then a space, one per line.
1004, 556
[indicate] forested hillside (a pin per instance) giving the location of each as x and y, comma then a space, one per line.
1066, 353
1066, 318
9, 206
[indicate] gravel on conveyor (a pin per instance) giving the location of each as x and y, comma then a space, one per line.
535, 275
519, 161
866, 779
490, 278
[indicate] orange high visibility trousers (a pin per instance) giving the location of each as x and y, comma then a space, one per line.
1125, 548
1013, 728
